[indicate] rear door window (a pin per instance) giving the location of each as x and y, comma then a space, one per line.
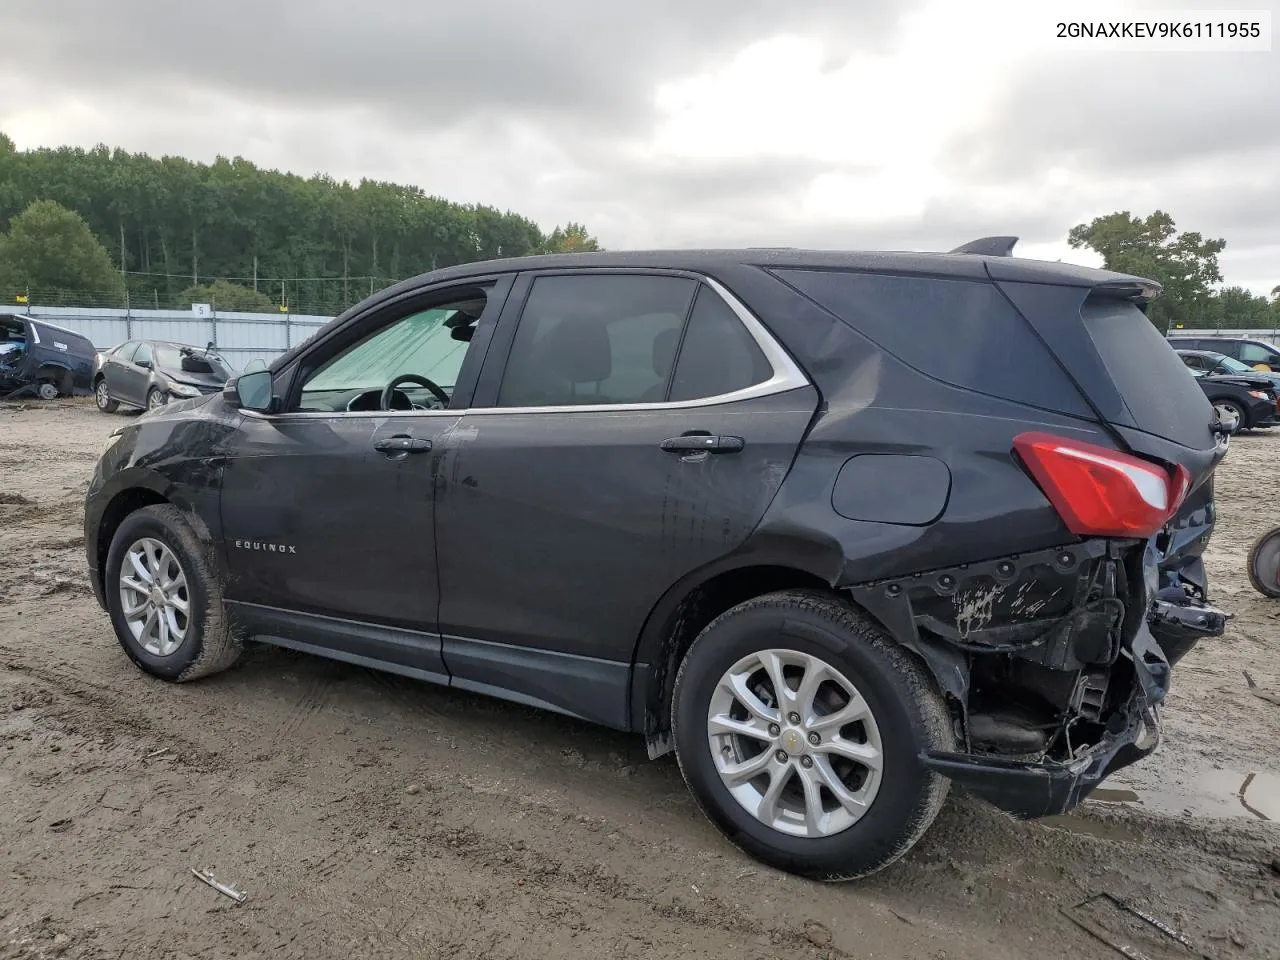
718, 356
602, 339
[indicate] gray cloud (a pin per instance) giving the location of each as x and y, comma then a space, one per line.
547, 109
1132, 112
430, 62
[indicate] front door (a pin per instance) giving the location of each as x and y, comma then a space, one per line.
638, 432
125, 380
328, 508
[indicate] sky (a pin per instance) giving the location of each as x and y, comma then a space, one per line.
915, 124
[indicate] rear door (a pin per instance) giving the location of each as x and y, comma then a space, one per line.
629, 428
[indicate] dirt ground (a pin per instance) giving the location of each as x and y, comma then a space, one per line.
367, 816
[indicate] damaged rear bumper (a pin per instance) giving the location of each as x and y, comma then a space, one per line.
1054, 664
1030, 790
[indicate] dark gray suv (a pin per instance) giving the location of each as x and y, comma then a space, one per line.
1245, 349
837, 528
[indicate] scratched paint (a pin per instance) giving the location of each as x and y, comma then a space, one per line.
975, 608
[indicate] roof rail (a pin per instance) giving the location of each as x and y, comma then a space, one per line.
988, 247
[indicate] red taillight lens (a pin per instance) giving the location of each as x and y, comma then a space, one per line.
1100, 492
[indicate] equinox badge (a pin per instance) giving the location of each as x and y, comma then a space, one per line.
259, 545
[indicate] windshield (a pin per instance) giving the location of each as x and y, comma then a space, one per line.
1230, 364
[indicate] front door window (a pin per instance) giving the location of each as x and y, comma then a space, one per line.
419, 356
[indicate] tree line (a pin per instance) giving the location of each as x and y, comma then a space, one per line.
105, 227
1184, 263
314, 244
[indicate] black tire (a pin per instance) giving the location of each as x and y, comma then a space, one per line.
103, 398
1262, 563
210, 645
1242, 416
909, 711
156, 398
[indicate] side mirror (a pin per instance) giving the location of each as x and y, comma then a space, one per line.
144, 364
250, 391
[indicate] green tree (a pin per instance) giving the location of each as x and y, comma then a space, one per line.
226, 296
1184, 264
51, 252
315, 242
571, 238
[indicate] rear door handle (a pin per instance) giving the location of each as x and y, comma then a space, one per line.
402, 443
702, 443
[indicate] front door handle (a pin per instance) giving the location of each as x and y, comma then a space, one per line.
402, 443
702, 443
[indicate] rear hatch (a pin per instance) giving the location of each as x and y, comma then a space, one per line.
1096, 325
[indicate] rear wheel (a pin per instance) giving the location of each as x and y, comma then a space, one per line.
103, 397
47, 390
156, 398
1229, 408
798, 724
1264, 563
164, 598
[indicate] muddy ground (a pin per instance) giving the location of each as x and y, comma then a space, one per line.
372, 817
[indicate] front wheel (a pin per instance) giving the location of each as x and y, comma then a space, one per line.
47, 390
156, 398
1229, 408
103, 397
165, 599
1264, 563
798, 724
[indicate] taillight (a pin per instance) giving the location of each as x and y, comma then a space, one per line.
1100, 492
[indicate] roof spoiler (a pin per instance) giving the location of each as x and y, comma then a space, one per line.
988, 247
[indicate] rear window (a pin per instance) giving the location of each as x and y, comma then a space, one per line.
1158, 389
961, 332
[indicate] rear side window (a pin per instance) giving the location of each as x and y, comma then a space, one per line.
1150, 377
718, 355
605, 339
961, 332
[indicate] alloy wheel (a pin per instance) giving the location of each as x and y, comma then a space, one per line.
154, 597
795, 743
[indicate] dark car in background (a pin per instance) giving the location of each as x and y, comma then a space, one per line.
1219, 364
1247, 350
1235, 390
150, 373
837, 528
39, 358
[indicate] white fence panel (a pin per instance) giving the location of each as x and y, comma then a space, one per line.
241, 337
189, 330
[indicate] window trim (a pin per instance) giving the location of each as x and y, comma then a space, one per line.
787, 374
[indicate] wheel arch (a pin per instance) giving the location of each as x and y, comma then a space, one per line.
685, 609
145, 489
60, 374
